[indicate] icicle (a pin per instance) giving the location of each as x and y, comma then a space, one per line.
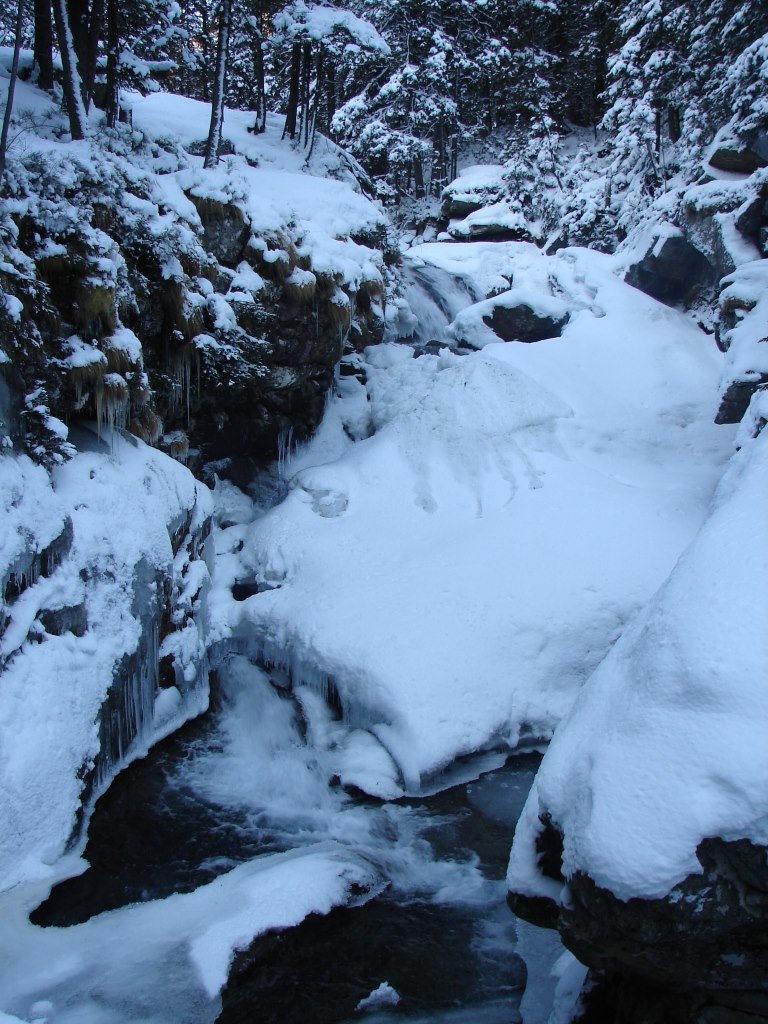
285, 450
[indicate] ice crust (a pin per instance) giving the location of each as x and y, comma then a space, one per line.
180, 947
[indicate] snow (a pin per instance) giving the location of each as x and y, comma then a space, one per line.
486, 268
415, 567
312, 203
666, 743
500, 216
384, 995
32, 516
300, 20
278, 193
181, 947
124, 500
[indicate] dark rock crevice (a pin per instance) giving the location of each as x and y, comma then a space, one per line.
696, 956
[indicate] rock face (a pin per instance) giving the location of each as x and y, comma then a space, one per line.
523, 323
692, 957
200, 333
672, 270
103, 628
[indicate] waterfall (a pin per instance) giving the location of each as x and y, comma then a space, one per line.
436, 297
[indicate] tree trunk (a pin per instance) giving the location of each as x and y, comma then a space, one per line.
673, 124
293, 92
319, 97
206, 49
95, 33
439, 167
261, 91
331, 92
11, 88
418, 177
219, 86
77, 11
73, 91
306, 75
112, 98
44, 44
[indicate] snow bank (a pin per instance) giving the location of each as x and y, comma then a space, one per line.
666, 744
125, 501
459, 574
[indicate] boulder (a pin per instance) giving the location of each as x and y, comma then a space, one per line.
523, 323
696, 956
458, 208
736, 398
708, 934
672, 270
738, 161
498, 222
742, 156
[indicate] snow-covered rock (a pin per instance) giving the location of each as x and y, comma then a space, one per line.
474, 187
654, 787
86, 625
208, 306
744, 335
455, 577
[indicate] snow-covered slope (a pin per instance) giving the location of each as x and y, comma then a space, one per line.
458, 574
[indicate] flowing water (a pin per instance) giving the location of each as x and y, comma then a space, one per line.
250, 779
436, 297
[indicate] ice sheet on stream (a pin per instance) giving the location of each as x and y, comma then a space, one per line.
455, 577
180, 947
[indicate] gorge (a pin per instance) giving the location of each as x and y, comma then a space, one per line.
348, 544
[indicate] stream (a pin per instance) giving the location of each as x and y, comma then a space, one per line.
250, 778
435, 943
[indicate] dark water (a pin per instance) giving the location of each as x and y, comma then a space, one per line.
244, 781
